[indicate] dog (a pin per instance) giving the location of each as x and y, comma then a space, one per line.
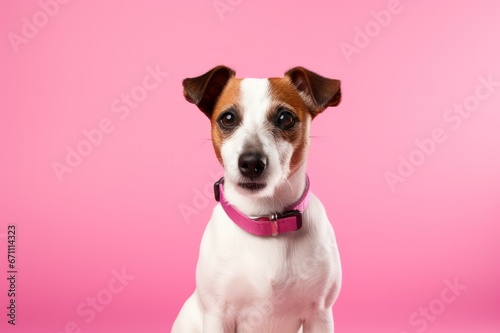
269, 260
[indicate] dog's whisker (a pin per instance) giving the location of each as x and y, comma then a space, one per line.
320, 138
275, 196
204, 142
288, 183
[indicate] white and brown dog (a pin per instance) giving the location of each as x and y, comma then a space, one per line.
268, 258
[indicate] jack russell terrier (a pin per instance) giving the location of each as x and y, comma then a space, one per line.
268, 259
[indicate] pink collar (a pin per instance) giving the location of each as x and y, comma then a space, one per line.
272, 225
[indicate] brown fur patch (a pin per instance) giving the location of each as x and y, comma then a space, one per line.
229, 97
284, 93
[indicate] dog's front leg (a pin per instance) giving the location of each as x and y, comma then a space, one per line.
320, 322
214, 322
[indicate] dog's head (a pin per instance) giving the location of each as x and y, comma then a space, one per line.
260, 127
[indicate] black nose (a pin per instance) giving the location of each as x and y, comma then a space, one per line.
252, 164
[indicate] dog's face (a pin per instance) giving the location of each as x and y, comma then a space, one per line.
260, 127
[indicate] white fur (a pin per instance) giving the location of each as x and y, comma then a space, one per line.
253, 284
255, 102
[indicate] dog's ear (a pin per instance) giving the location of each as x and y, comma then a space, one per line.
318, 92
204, 90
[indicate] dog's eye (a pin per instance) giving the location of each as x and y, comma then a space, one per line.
285, 119
228, 120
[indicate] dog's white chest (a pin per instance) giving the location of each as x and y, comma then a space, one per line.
268, 280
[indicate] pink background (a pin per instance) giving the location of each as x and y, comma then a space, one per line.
121, 207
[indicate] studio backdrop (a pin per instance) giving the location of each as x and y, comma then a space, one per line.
107, 172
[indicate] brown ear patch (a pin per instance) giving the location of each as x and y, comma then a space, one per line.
317, 91
204, 90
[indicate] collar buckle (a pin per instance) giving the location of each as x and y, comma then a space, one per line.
217, 189
274, 217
